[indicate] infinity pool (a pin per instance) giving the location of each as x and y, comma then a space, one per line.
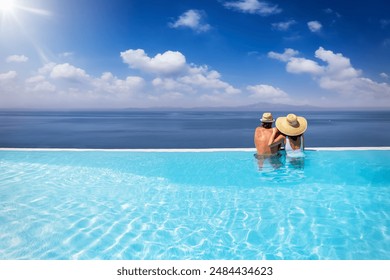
221, 204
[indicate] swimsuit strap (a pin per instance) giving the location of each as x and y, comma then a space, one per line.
287, 146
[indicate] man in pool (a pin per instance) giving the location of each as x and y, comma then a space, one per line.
262, 138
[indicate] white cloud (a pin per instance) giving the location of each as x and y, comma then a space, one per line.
384, 75
285, 56
303, 65
253, 7
10, 75
67, 71
196, 81
17, 58
39, 84
172, 85
188, 81
338, 66
111, 84
44, 86
192, 19
338, 75
53, 86
169, 80
47, 68
314, 26
266, 92
169, 62
36, 79
283, 26
203, 78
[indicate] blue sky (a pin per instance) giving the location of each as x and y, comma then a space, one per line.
189, 53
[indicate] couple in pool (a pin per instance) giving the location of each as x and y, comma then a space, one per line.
288, 133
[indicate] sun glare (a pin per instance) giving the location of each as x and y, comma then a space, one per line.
6, 5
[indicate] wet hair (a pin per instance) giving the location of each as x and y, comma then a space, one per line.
266, 124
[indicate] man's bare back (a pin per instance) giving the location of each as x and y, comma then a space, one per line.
261, 139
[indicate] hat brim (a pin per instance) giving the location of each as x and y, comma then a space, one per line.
284, 127
267, 121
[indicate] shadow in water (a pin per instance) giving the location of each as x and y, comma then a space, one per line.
265, 162
280, 168
296, 162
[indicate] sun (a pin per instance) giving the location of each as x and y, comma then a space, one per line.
7, 5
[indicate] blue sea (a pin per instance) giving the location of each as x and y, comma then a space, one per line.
181, 129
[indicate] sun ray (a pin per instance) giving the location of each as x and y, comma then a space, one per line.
7, 6
12, 14
10, 6
35, 11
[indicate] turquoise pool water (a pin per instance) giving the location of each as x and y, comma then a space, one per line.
194, 205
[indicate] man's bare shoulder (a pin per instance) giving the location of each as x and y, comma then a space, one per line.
259, 129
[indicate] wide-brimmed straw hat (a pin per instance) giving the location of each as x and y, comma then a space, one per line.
291, 125
267, 118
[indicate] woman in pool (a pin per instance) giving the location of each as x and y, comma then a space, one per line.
289, 131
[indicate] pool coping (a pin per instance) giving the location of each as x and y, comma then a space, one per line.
190, 149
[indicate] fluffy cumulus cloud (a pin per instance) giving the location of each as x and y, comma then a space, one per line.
67, 86
17, 58
68, 71
335, 73
384, 75
177, 79
167, 63
205, 78
253, 7
196, 82
7, 76
268, 93
314, 26
165, 79
111, 84
338, 66
192, 19
39, 83
303, 65
285, 56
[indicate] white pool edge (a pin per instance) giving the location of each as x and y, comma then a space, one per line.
191, 150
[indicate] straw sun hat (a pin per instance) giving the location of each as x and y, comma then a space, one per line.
291, 125
267, 118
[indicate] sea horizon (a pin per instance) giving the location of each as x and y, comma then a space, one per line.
156, 129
